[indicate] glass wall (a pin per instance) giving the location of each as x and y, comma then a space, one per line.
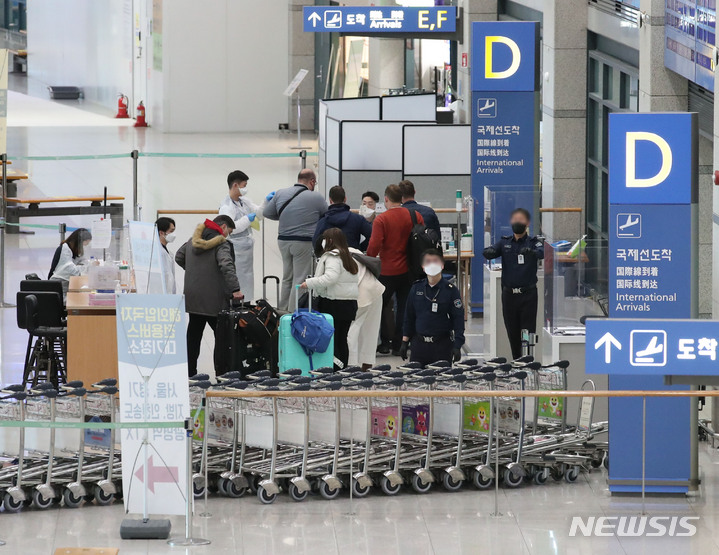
612, 86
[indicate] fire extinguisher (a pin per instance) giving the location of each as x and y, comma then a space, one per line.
122, 103
140, 115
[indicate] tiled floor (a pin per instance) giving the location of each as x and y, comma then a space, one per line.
535, 519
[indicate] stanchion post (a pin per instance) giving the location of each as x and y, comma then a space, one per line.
303, 156
205, 513
62, 229
644, 452
3, 218
188, 540
495, 417
135, 155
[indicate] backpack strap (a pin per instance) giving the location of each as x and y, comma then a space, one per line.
413, 215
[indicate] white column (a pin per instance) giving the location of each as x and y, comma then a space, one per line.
386, 65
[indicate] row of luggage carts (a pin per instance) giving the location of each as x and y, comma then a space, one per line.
326, 444
321, 444
43, 465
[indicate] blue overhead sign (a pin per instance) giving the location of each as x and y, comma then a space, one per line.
379, 19
651, 158
505, 56
690, 36
652, 347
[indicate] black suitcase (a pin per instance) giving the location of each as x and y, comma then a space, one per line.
229, 342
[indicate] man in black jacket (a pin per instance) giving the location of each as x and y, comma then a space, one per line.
338, 215
210, 281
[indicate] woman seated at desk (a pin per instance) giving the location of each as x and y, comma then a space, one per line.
69, 257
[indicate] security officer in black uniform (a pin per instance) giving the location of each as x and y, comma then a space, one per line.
519, 253
434, 317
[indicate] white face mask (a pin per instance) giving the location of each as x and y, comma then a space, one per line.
243, 191
323, 243
366, 211
170, 237
432, 269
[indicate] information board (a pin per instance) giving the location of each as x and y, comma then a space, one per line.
152, 370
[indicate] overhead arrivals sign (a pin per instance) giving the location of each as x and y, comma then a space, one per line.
379, 19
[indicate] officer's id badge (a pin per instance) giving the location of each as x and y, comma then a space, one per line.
458, 303
520, 259
434, 307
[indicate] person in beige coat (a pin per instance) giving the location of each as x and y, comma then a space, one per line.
364, 331
336, 284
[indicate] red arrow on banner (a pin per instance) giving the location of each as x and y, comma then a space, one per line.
157, 474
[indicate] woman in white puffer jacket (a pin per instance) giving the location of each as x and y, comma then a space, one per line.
336, 284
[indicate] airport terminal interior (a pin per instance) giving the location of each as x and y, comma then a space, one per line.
399, 276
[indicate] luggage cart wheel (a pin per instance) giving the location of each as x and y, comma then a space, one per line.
10, 505
296, 494
230, 489
101, 497
419, 486
449, 483
480, 482
40, 502
326, 491
358, 490
511, 479
71, 500
540, 477
606, 461
265, 497
571, 475
387, 486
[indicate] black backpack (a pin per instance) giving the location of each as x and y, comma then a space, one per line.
420, 240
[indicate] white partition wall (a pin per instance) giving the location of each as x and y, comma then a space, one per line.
412, 107
436, 149
339, 109
437, 159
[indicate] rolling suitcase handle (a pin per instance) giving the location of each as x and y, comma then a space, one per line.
297, 299
276, 279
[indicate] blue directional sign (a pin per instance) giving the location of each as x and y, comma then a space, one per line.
505, 130
648, 267
652, 347
379, 19
505, 56
650, 158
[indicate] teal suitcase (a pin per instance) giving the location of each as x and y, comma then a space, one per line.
291, 354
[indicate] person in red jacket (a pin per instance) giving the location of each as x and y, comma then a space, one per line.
390, 235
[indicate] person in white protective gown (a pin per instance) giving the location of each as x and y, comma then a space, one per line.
238, 206
166, 232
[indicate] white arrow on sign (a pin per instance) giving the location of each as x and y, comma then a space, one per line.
607, 341
314, 18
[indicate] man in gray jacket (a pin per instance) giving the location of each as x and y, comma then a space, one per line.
298, 210
210, 281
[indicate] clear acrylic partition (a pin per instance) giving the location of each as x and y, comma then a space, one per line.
569, 294
498, 205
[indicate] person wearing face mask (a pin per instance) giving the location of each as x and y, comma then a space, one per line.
166, 232
368, 210
434, 318
208, 259
238, 206
519, 253
336, 283
69, 258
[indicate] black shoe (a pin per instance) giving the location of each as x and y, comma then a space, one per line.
383, 348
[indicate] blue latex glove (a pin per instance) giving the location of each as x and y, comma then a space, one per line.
251, 216
270, 196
